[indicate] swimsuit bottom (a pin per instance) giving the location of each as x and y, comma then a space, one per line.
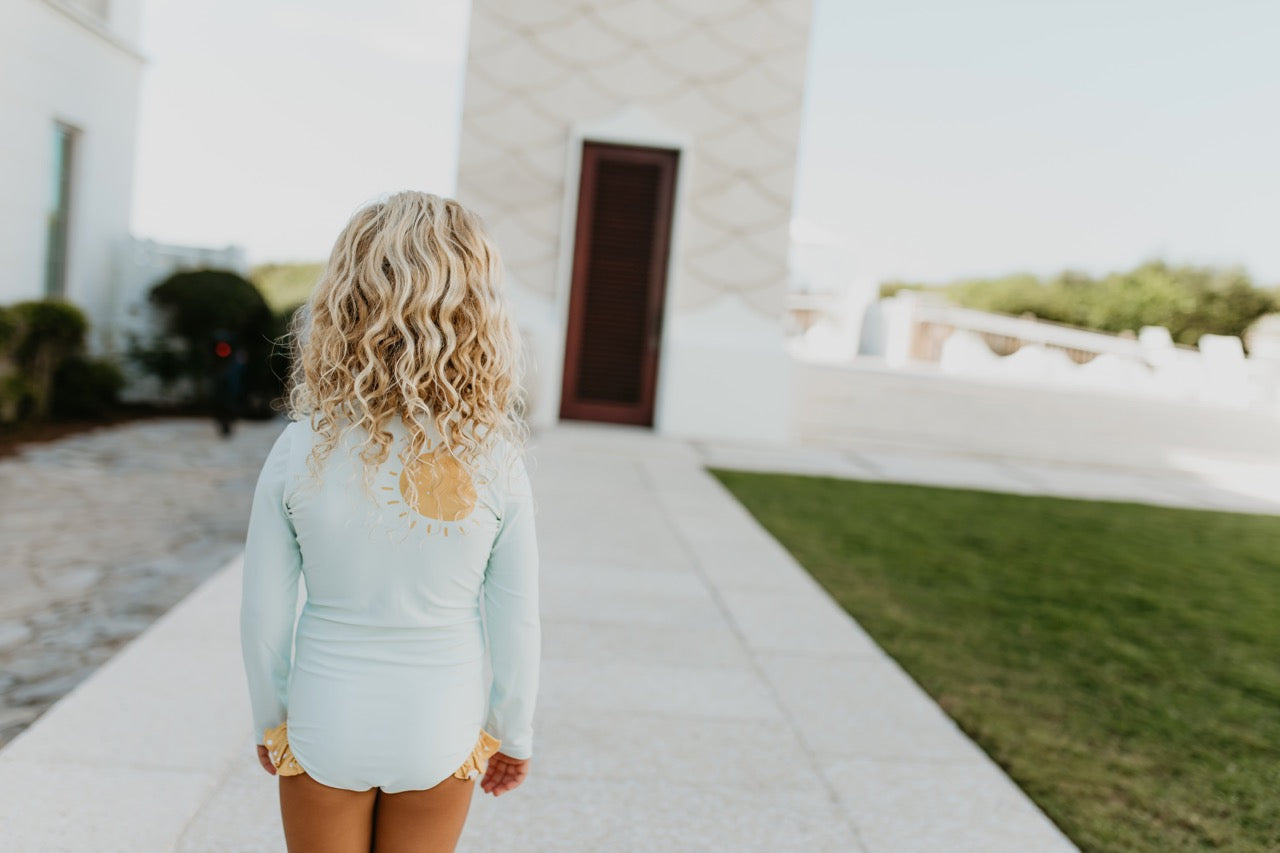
277, 743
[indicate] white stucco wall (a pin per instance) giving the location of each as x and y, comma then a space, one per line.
59, 62
720, 80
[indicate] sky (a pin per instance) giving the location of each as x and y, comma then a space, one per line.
267, 123
940, 139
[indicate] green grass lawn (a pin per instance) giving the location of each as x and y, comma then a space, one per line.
1121, 662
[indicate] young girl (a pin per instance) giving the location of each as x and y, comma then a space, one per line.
398, 492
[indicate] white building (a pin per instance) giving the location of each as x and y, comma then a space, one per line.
635, 161
69, 78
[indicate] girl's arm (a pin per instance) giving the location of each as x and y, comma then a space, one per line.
269, 596
511, 618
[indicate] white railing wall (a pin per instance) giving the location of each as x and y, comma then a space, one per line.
911, 331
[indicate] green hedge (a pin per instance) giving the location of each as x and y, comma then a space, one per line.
86, 387
43, 368
200, 307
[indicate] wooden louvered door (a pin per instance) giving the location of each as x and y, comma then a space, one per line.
619, 276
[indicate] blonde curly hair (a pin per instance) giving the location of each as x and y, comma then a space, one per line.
409, 319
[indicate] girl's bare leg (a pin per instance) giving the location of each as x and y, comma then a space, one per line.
320, 819
427, 821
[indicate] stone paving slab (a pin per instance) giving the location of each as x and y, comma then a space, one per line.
700, 692
131, 755
103, 532
926, 807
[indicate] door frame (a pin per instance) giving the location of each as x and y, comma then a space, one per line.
642, 412
630, 126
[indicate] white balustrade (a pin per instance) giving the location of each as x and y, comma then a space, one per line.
919, 332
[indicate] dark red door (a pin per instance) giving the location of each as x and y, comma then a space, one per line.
619, 275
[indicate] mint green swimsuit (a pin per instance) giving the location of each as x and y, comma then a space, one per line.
389, 683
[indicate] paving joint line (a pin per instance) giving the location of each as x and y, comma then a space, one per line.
694, 559
219, 781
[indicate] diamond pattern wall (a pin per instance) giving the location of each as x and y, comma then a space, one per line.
728, 73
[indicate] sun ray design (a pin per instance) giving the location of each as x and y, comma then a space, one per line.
446, 492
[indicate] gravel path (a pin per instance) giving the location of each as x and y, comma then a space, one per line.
101, 533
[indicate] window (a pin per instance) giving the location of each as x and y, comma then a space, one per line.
64, 145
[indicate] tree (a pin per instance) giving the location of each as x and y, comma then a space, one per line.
208, 310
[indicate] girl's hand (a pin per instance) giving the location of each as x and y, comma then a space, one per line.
504, 773
264, 758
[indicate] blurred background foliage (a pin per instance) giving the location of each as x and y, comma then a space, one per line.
201, 307
285, 286
44, 369
46, 374
1189, 301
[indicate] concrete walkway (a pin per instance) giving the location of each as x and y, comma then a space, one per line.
699, 692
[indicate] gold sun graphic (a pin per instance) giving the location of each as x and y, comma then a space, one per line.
446, 492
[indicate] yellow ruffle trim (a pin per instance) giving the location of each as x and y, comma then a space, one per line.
277, 742
478, 760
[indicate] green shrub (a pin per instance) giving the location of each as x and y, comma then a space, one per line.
48, 326
43, 368
8, 329
199, 307
198, 302
157, 356
44, 334
86, 387
17, 398
12, 383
